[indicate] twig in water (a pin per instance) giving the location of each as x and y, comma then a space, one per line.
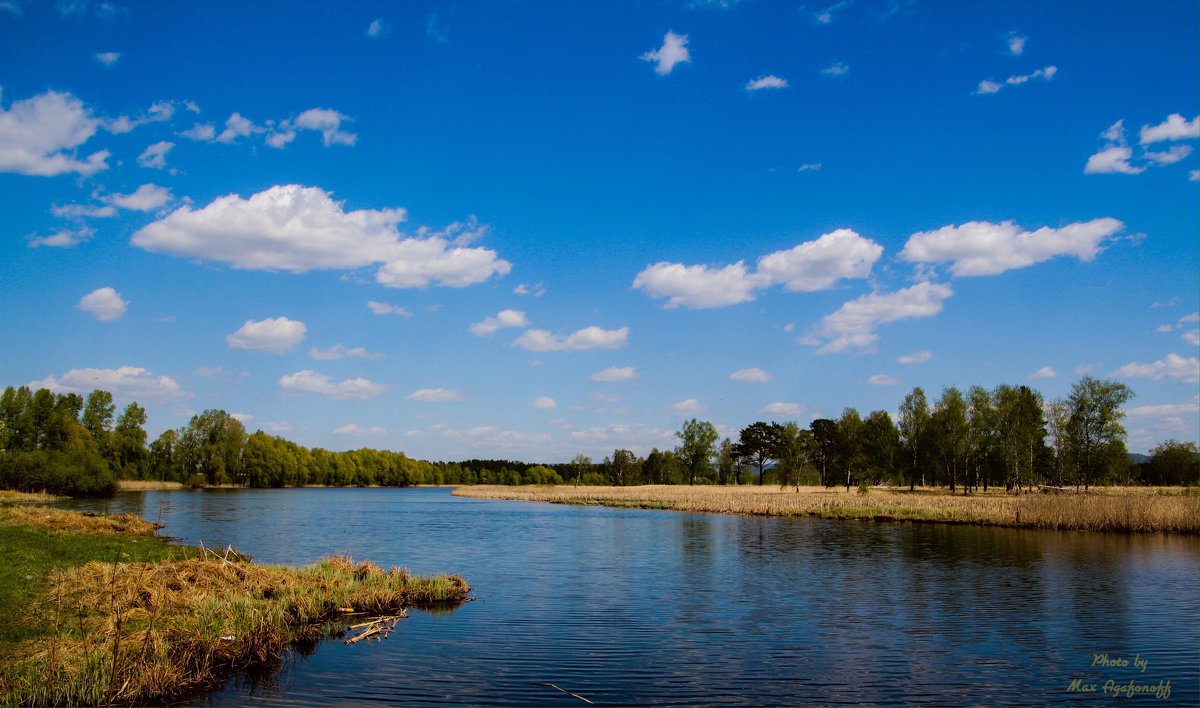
572, 695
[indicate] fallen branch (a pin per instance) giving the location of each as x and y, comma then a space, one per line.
572, 695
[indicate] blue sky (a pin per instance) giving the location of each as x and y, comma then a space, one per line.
532, 229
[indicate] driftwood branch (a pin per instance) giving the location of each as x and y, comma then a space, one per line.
572, 695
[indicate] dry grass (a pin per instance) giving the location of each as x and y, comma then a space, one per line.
71, 522
1108, 509
9, 496
145, 485
136, 633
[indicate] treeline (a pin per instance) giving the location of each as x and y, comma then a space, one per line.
1008, 436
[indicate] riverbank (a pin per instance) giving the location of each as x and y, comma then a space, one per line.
100, 610
1170, 510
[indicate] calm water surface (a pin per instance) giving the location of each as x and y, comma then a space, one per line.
651, 607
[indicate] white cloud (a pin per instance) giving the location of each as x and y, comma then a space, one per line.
339, 351
688, 407
157, 113
145, 198
1173, 154
277, 335
1175, 127
155, 156
503, 320
916, 357
853, 325
535, 290
108, 58
378, 28
809, 167
382, 308
698, 286
790, 410
673, 51
1016, 44
766, 82
1194, 317
1166, 409
601, 397
38, 135
544, 403
309, 381
238, 126
810, 266
200, 131
1114, 159
436, 395
750, 376
615, 373
354, 430
817, 265
988, 86
1043, 373
328, 123
1165, 328
825, 17
984, 248
837, 68
1173, 367
125, 383
1194, 176
105, 304
883, 380
539, 340
1192, 337
298, 229
77, 212
242, 418
63, 238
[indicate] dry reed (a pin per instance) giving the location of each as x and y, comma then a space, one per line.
1123, 509
11, 496
71, 522
144, 485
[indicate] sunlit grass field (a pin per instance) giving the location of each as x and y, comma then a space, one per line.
1139, 509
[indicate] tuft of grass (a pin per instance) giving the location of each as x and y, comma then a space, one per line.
11, 496
1108, 509
118, 618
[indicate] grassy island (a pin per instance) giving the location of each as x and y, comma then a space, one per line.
99, 610
1139, 509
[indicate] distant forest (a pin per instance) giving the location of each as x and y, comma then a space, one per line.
1009, 436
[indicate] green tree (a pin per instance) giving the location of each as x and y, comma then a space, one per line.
852, 453
661, 467
98, 418
914, 429
580, 465
163, 465
727, 462
982, 433
1058, 424
949, 434
826, 442
881, 444
1095, 424
128, 455
1173, 463
697, 440
792, 448
622, 467
757, 443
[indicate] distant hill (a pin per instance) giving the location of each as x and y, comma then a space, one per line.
1138, 458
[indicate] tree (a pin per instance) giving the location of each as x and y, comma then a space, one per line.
982, 431
1095, 423
727, 462
757, 443
621, 467
1058, 424
98, 418
851, 448
1022, 431
660, 467
697, 440
128, 455
881, 444
791, 450
1172, 463
825, 445
914, 428
949, 433
580, 465
212, 444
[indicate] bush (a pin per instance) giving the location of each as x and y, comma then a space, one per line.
196, 481
864, 488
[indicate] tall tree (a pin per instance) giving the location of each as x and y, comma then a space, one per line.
1096, 414
852, 455
881, 444
580, 465
914, 428
128, 455
697, 440
727, 462
825, 445
757, 443
949, 434
792, 448
1058, 424
98, 418
982, 430
621, 467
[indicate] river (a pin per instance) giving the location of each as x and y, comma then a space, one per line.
625, 606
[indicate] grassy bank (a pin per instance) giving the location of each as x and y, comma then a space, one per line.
98, 610
145, 485
1110, 509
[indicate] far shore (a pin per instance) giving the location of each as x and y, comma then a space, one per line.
1130, 509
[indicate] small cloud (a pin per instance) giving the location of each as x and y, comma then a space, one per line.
356, 431
105, 304
378, 28
672, 52
601, 397
766, 82
883, 380
276, 335
688, 407
826, 16
1165, 328
381, 308
1194, 176
125, 383
535, 290
1174, 366
615, 373
238, 126
1192, 337
539, 340
1175, 127
503, 320
64, 238
108, 59
988, 86
436, 395
1194, 317
920, 357
203, 132
1043, 373
779, 408
338, 351
809, 167
1168, 303
242, 418
837, 68
1016, 44
155, 156
544, 403
78, 212
750, 376
309, 381
146, 198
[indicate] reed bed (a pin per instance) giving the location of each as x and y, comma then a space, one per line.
11, 496
1122, 509
145, 485
136, 633
70, 522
